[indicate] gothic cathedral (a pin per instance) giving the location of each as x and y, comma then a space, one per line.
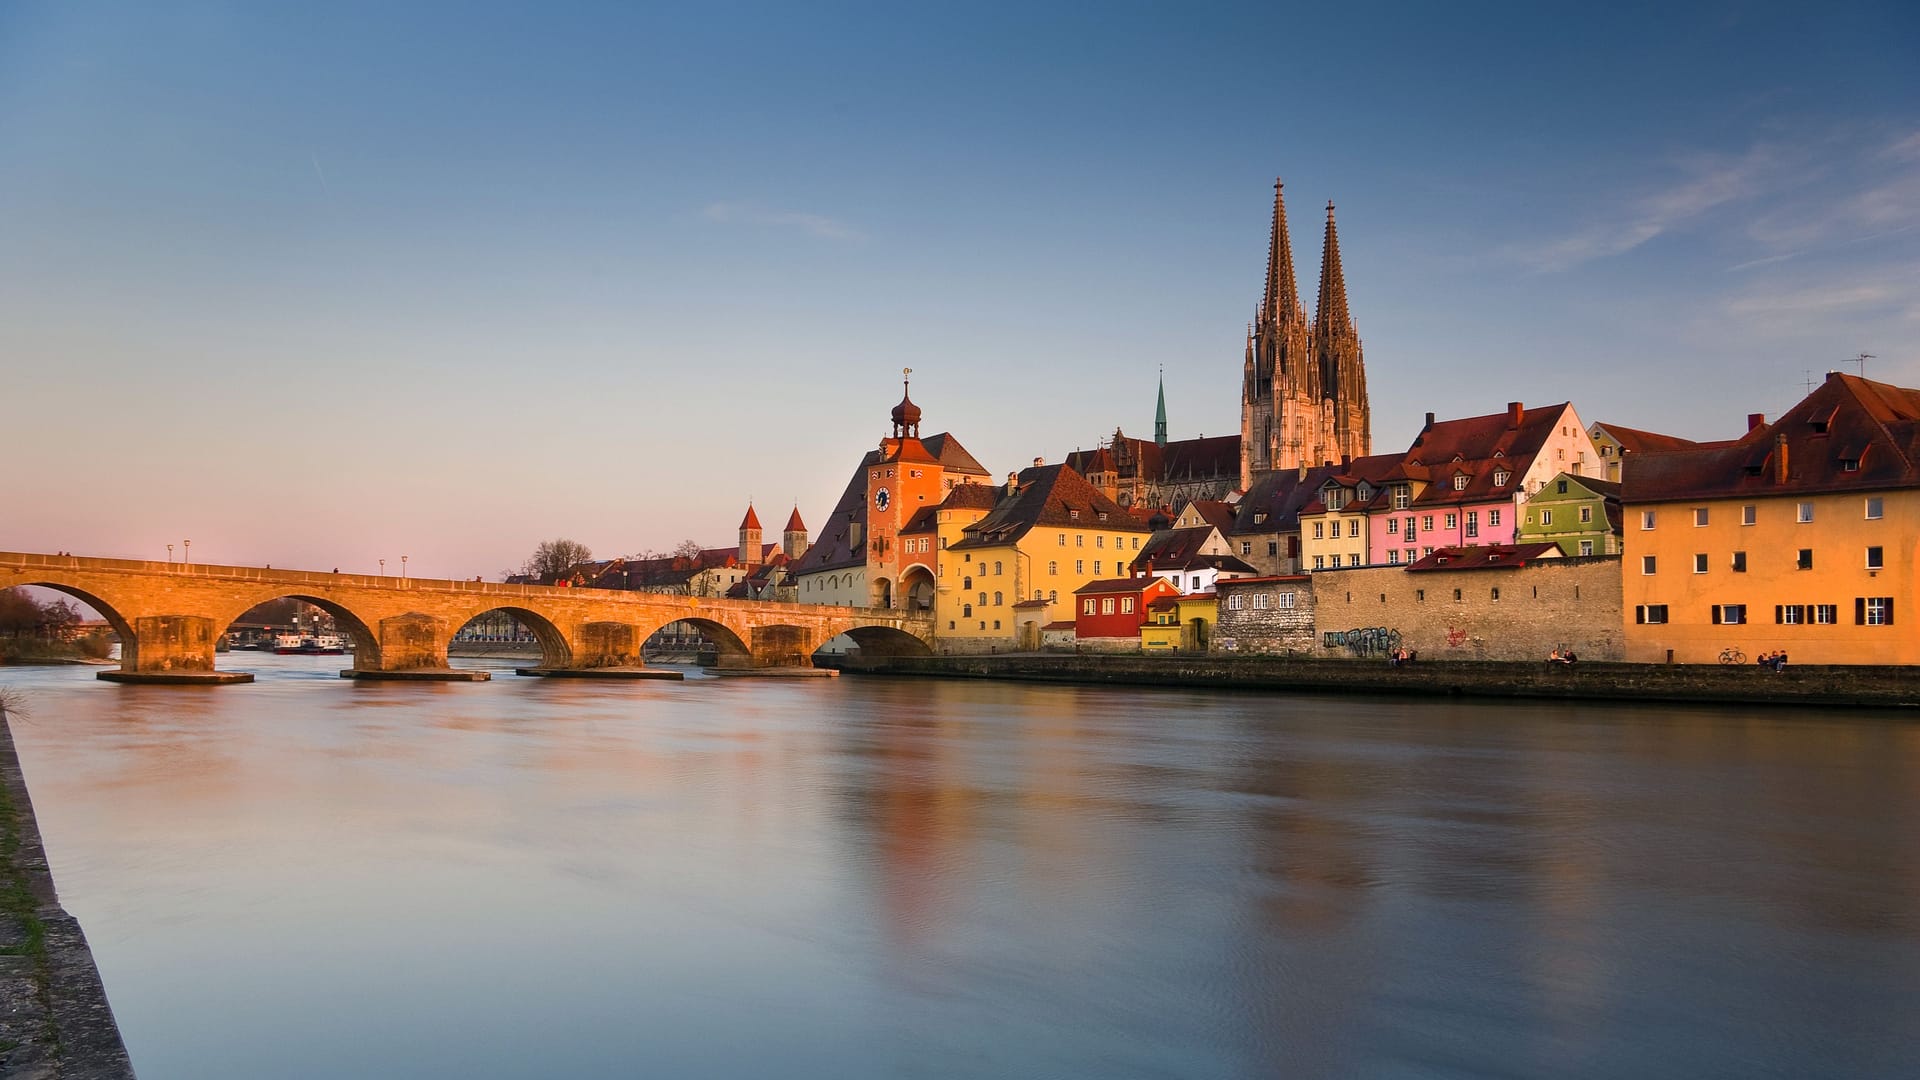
1303, 394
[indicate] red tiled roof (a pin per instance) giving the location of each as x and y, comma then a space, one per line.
752, 520
1480, 447
1061, 624
1635, 441
1280, 497
1052, 495
1849, 434
1214, 512
1375, 470
794, 524
1267, 580
1032, 603
1489, 557
1116, 585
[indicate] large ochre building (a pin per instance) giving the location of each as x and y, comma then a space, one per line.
1800, 536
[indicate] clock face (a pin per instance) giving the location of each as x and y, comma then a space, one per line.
881, 499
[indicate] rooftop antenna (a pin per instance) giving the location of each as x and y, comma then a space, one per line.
1862, 361
1809, 374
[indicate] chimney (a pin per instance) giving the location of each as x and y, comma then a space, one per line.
1515, 411
1429, 421
1303, 470
1780, 458
1756, 420
1013, 483
1037, 462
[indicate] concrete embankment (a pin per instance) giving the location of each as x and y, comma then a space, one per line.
54, 1018
1743, 684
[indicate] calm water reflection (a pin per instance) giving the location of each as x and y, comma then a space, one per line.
869, 878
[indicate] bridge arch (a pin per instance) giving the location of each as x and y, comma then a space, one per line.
122, 628
366, 642
916, 588
556, 651
887, 641
734, 650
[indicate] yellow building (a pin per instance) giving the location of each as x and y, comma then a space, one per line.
1049, 532
1801, 536
1180, 623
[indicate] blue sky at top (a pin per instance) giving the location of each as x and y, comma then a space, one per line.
346, 280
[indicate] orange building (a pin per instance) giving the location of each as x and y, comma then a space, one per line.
1801, 536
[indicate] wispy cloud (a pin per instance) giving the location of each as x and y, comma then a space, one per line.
1710, 182
827, 228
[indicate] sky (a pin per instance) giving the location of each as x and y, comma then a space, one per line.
314, 285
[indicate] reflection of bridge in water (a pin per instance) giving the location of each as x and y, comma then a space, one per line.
169, 616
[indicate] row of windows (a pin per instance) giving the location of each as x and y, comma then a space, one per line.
1258, 601
1273, 547
1873, 508
1867, 611
1546, 515
1875, 559
1105, 604
983, 623
1099, 541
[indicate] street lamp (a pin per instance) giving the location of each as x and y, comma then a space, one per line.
186, 556
403, 568
383, 568
169, 554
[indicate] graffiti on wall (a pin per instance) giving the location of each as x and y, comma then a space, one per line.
1367, 641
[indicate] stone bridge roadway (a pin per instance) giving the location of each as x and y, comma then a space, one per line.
169, 616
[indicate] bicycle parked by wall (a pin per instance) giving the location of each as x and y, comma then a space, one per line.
1732, 656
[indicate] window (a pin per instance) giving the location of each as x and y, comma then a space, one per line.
1700, 563
1456, 596
1826, 614
1318, 530
1650, 613
1273, 548
1805, 513
1473, 523
1501, 477
1079, 539
1099, 541
1097, 563
1393, 526
996, 624
1401, 497
996, 566
1260, 600
1194, 585
1319, 562
1586, 547
1873, 611
1453, 521
1874, 508
1493, 519
1063, 539
1426, 522
1646, 564
1646, 519
1393, 556
1459, 481
1052, 568
966, 583
967, 610
1790, 614
1559, 487
1729, 614
1805, 561
1233, 602
1286, 599
949, 624
1246, 547
1126, 605
1749, 515
1739, 562
1079, 566
1411, 531
1586, 515
983, 599
997, 601
1106, 605
1072, 514
1419, 594
1875, 561
1546, 517
1699, 516
1336, 562
1496, 592
1136, 543
1086, 607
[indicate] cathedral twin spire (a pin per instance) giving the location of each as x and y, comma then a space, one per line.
1304, 398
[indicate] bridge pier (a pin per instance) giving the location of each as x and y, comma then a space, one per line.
413, 648
172, 649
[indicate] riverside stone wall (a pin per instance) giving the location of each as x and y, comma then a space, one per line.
1518, 614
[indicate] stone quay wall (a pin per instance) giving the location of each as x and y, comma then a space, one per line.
1894, 687
1516, 614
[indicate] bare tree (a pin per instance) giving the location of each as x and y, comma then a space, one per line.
689, 550
555, 557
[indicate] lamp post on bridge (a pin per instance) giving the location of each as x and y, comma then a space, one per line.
403, 568
383, 568
169, 554
186, 556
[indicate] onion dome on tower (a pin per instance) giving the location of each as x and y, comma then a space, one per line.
906, 415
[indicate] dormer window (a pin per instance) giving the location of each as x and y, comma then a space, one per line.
1849, 464
1499, 453
1102, 515
1365, 491
1260, 517
1460, 481
1073, 515
1501, 477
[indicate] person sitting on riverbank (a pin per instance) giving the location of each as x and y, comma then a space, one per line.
1779, 661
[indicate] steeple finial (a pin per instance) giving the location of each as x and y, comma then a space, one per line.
906, 415
1330, 314
1160, 414
1282, 300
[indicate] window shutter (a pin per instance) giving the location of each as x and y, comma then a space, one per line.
1716, 614
1779, 613
1889, 611
1640, 614
1859, 611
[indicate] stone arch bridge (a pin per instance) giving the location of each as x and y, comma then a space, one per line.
169, 616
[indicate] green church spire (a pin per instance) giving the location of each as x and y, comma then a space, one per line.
1160, 414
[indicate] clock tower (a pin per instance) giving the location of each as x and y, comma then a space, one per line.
907, 479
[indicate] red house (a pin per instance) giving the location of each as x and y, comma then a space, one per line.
1108, 614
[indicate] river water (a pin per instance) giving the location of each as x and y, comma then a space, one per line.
862, 877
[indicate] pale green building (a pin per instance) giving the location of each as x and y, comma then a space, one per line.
1580, 514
